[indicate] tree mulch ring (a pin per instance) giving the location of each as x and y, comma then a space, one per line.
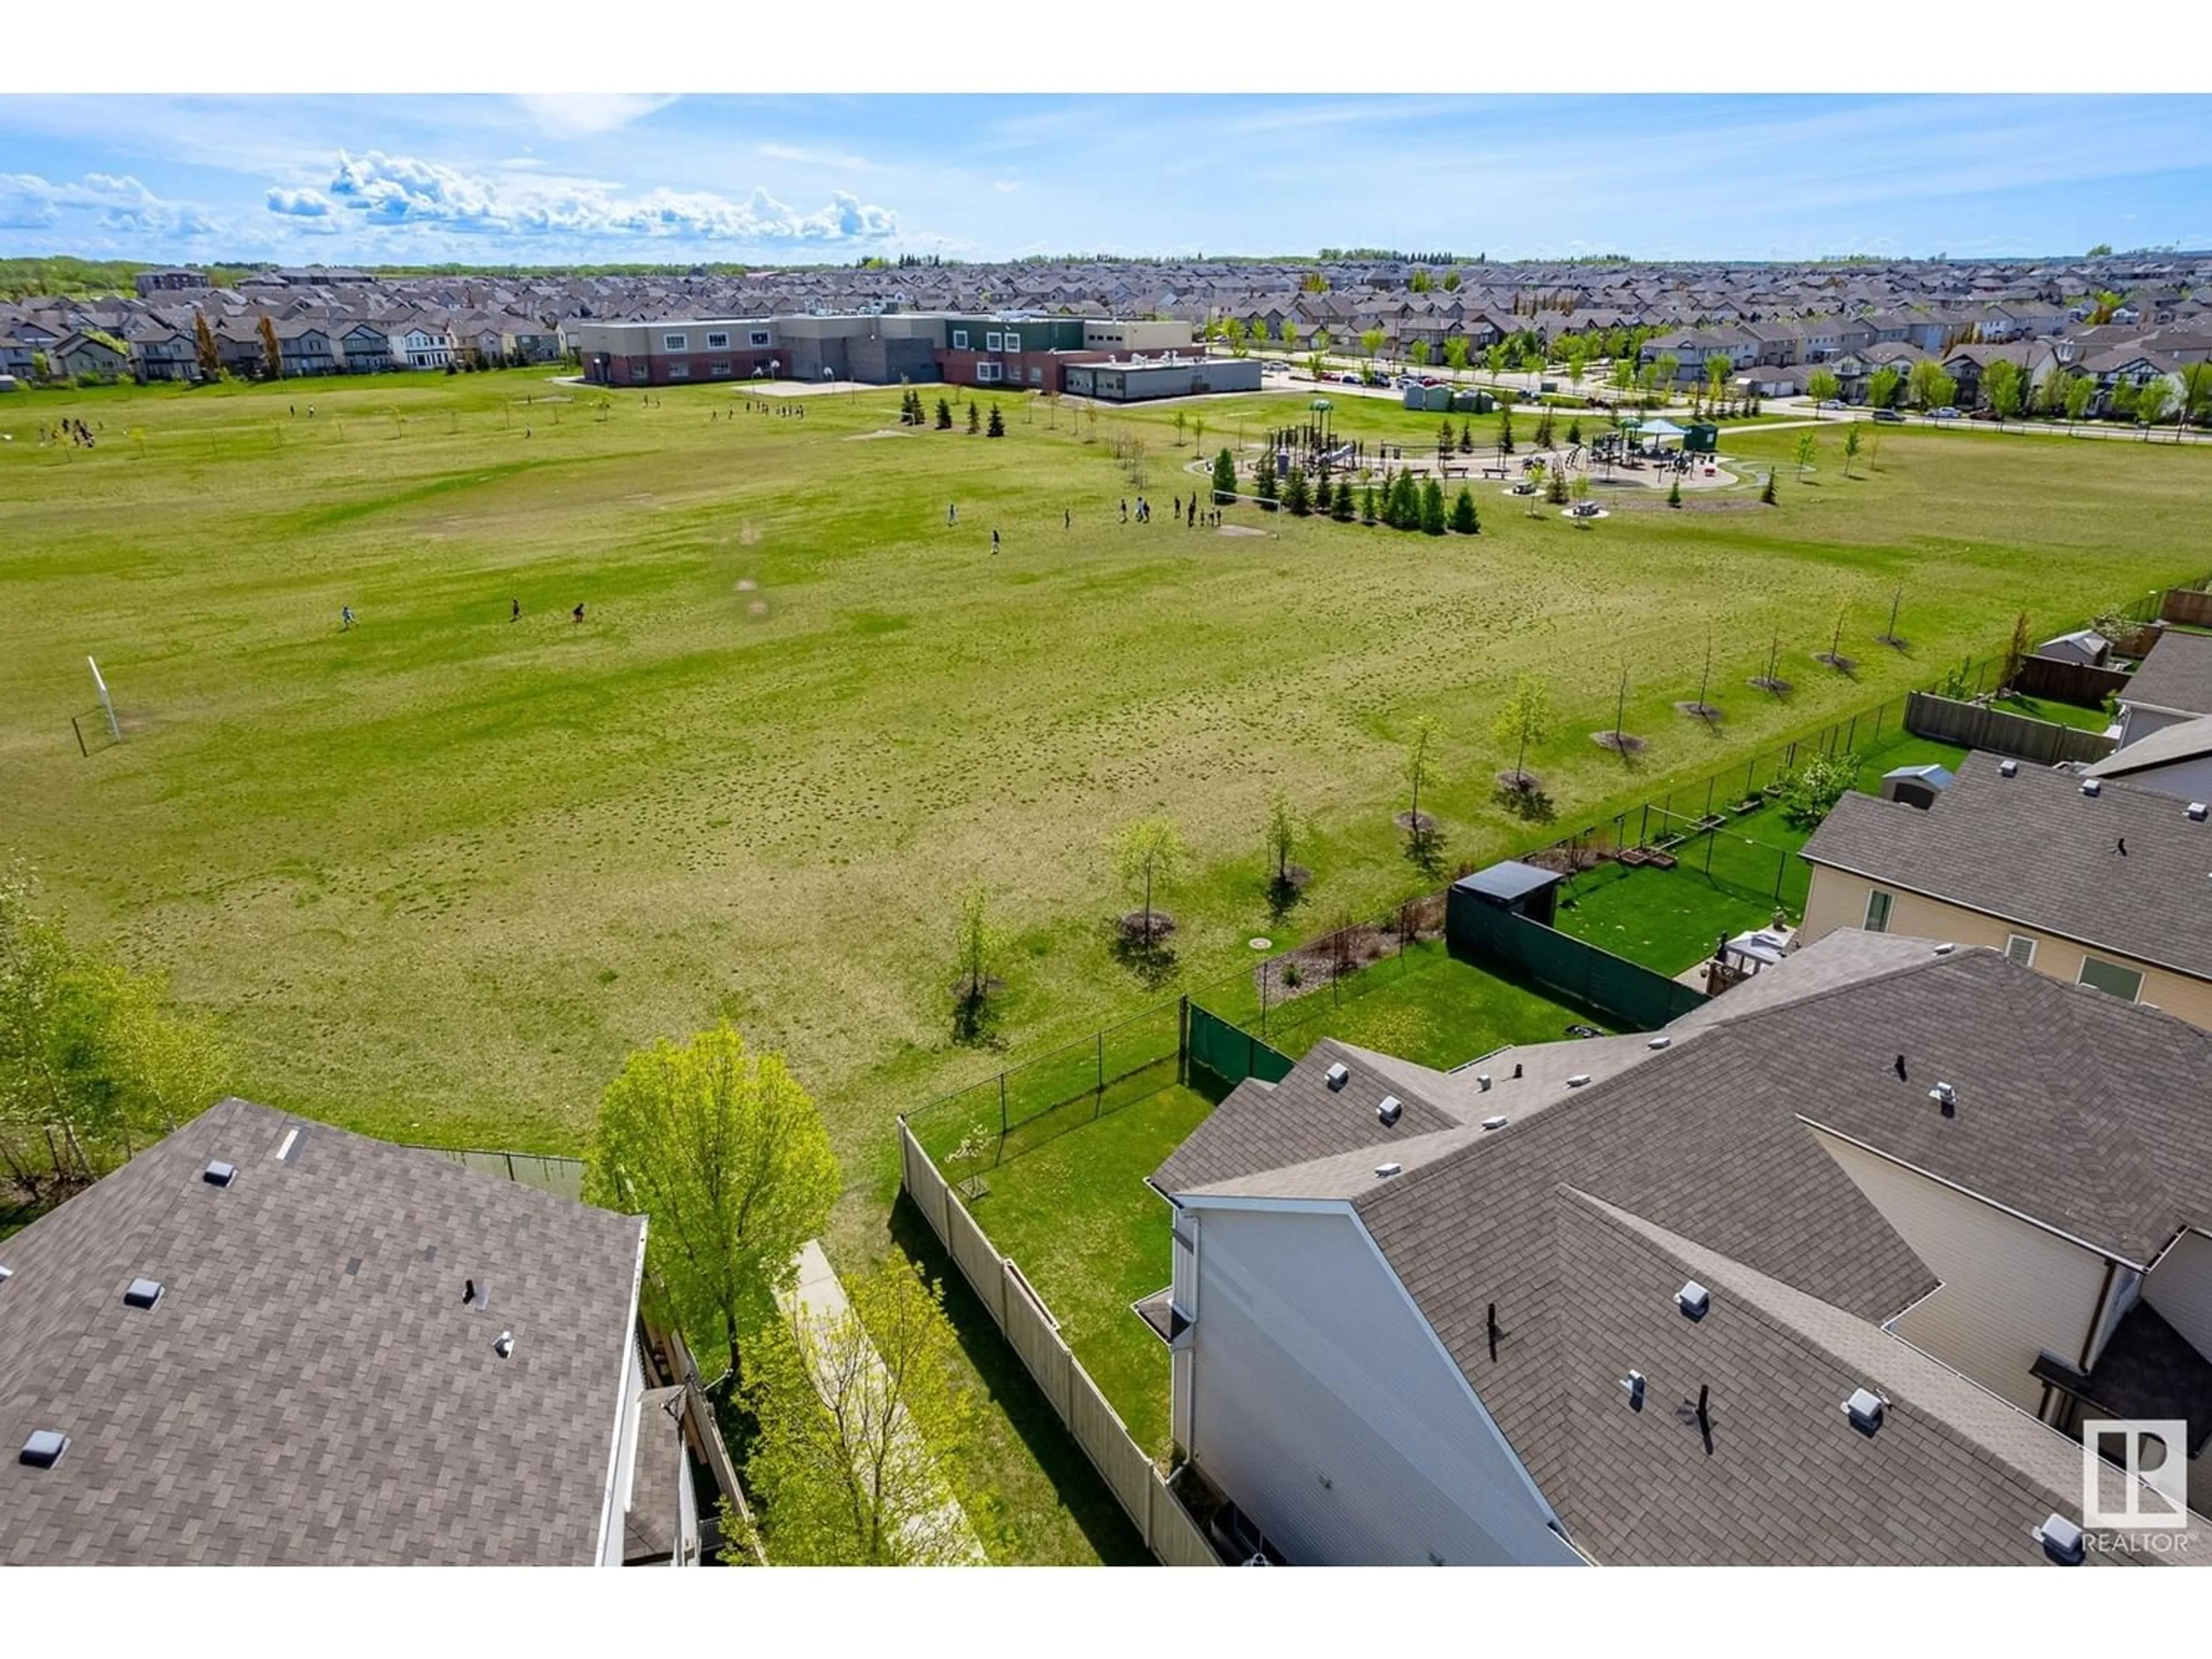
992, 983
1519, 783
1133, 925
1779, 688
1699, 711
1415, 823
1622, 743
1841, 665
1296, 877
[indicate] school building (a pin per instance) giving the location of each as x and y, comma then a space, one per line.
1147, 359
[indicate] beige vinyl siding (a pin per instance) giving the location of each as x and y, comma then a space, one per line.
2011, 1288
1322, 1404
1838, 899
2180, 1288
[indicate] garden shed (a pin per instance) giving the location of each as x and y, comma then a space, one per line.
1523, 890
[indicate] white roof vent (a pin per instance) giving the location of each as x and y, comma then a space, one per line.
1946, 1096
2197, 812
1945, 949
2092, 787
504, 1347
1693, 1299
1389, 1111
2062, 1540
1338, 1075
1633, 1385
1498, 1123
44, 1448
1659, 1042
1384, 1171
1864, 1409
2009, 768
7, 1273
219, 1174
143, 1293
1578, 1079
1482, 1082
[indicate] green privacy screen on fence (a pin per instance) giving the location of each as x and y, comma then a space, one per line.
1626, 995
1232, 1053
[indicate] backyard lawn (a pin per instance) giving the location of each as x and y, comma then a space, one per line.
1075, 1216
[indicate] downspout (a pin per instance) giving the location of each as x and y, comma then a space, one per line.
2097, 1320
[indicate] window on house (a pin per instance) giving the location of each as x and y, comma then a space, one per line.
960, 339
719, 370
718, 343
1877, 912
2111, 978
987, 372
1036, 376
674, 343
679, 371
2021, 949
759, 337
1013, 343
637, 371
995, 342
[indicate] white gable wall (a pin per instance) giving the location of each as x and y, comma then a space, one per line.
1321, 1402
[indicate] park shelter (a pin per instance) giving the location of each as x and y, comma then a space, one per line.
1659, 431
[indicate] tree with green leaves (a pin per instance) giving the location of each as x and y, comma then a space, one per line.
2196, 394
1419, 763
1434, 518
979, 945
2080, 390
1421, 282
1456, 353
1148, 858
1821, 385
2002, 384
96, 1061
975, 419
1881, 386
1929, 386
1445, 440
997, 427
1766, 494
1464, 518
1850, 447
862, 1425
1555, 485
717, 1143
1717, 365
1342, 508
1225, 478
1418, 354
1674, 491
1524, 723
943, 416
1237, 333
1263, 483
1297, 495
1284, 828
273, 355
1544, 429
2154, 400
1664, 369
1806, 445
1322, 340
1504, 431
1370, 342
1288, 334
1367, 505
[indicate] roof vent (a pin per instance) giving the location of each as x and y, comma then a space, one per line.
1578, 1079
1498, 1123
219, 1174
7, 1273
44, 1448
504, 1347
1633, 1384
143, 1293
1693, 1299
2092, 787
1946, 1096
1864, 1409
1659, 1042
1389, 1111
1384, 1171
2197, 812
1338, 1075
2061, 1539
1945, 949
2009, 768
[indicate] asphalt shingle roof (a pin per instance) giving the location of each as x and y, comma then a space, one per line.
310, 1386
2032, 849
2176, 674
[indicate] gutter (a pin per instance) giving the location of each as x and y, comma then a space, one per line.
622, 1404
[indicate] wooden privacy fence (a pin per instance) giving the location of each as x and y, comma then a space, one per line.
1033, 1334
1973, 727
2068, 681
2187, 604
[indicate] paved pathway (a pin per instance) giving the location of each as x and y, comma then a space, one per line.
941, 1536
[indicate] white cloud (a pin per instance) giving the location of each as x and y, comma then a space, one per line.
583, 114
120, 202
400, 190
817, 158
298, 203
1006, 186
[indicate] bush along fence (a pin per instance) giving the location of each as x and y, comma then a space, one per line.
1030, 1330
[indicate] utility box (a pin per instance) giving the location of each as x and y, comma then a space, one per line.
1702, 437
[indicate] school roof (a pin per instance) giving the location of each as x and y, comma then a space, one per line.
310, 1385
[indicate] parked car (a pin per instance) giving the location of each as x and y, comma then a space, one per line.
1831, 403
1888, 414
1349, 379
1946, 413
1985, 413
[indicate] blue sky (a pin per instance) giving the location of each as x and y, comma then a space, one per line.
544, 179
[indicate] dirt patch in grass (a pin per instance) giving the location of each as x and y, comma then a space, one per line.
1622, 743
880, 432
1132, 925
1699, 711
1238, 530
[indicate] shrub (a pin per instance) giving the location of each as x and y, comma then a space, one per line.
1811, 791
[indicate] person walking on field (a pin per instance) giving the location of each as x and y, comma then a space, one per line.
345, 618
577, 614
514, 613
951, 512
994, 542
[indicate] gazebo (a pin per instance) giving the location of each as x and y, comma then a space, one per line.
1658, 431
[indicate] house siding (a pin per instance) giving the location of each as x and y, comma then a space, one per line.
1838, 900
1321, 1405
2011, 1290
2180, 1288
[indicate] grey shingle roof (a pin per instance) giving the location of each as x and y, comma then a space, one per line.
310, 1388
2186, 740
2032, 849
2176, 674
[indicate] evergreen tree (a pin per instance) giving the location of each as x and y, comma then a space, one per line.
1224, 477
1674, 493
943, 416
1505, 432
1767, 494
1575, 432
1465, 438
974, 421
1555, 486
1295, 496
1367, 505
997, 426
1267, 486
1432, 508
1445, 441
1342, 508
1324, 492
1405, 503
1464, 520
1544, 430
